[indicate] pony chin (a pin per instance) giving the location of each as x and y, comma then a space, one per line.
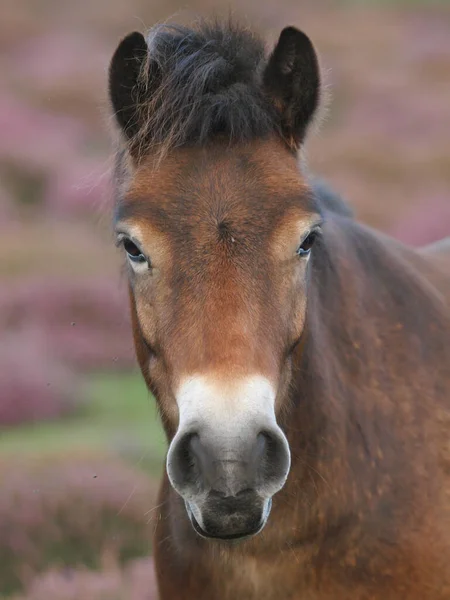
196, 520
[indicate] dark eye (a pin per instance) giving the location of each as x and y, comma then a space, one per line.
305, 247
133, 251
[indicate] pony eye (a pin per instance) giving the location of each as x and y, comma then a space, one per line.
305, 247
134, 253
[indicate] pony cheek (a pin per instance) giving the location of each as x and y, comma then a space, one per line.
299, 319
142, 350
296, 318
159, 383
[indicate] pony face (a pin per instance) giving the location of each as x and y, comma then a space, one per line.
217, 237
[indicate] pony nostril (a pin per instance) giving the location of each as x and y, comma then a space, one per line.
199, 465
273, 456
263, 444
183, 464
262, 441
185, 450
198, 453
194, 443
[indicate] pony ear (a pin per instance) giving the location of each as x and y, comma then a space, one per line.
125, 87
291, 79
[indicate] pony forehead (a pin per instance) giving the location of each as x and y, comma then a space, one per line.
260, 172
240, 197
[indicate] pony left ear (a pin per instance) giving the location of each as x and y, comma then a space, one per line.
124, 88
291, 79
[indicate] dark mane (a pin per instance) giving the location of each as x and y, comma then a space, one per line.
198, 83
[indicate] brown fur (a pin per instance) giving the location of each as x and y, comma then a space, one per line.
365, 511
356, 341
439, 254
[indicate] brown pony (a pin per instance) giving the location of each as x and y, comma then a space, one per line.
300, 361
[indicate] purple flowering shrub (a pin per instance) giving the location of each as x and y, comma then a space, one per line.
84, 324
427, 224
50, 331
70, 512
134, 582
33, 386
42, 160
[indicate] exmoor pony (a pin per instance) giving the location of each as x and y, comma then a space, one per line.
300, 360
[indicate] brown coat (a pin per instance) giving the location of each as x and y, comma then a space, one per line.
365, 513
214, 212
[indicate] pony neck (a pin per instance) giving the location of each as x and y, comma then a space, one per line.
355, 421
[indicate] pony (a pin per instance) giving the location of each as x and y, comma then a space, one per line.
300, 360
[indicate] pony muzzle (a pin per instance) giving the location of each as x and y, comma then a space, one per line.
229, 456
228, 483
229, 518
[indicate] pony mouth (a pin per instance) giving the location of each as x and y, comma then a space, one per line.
232, 537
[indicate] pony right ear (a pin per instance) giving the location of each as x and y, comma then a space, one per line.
125, 87
292, 82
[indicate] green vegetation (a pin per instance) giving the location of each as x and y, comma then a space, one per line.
66, 511
117, 415
77, 489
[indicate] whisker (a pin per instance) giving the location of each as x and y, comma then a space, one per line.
127, 500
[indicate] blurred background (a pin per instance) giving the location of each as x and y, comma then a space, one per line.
81, 448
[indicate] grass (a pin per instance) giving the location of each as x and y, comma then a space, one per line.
119, 416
